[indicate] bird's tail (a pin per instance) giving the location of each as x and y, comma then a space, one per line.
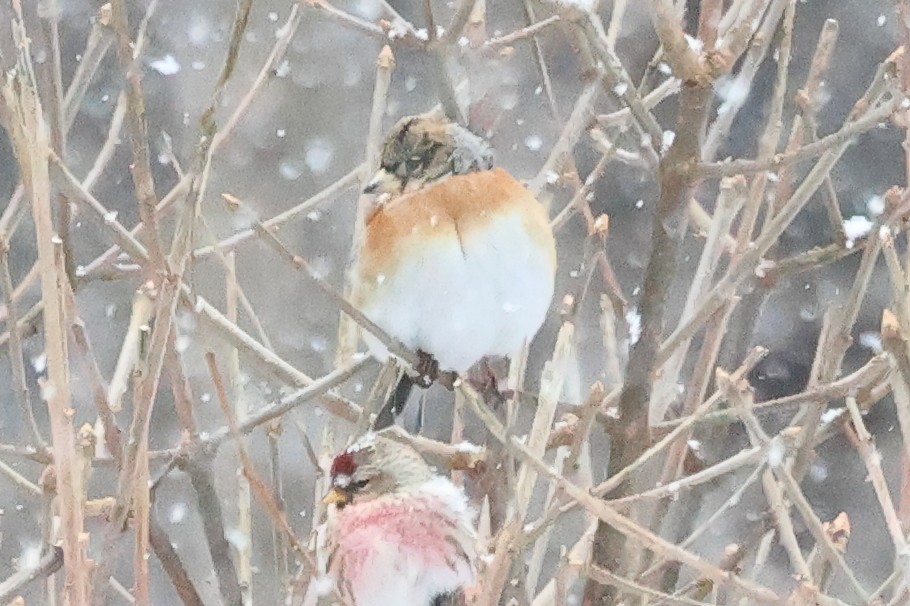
395, 404
450, 599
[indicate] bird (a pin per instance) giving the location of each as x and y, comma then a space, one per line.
396, 532
458, 259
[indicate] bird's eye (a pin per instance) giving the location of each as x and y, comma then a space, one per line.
413, 165
359, 484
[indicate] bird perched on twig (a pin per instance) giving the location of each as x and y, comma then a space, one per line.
458, 259
399, 534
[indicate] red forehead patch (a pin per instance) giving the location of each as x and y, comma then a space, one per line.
343, 464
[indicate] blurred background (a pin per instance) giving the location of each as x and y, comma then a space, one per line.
308, 128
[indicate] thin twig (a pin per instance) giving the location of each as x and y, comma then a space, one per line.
772, 231
96, 47
49, 563
280, 219
847, 133
244, 576
141, 168
520, 34
394, 346
201, 472
17, 363
348, 332
669, 227
29, 135
610, 516
279, 517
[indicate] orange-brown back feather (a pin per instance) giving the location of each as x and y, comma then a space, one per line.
454, 207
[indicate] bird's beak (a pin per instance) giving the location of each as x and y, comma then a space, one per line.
382, 182
337, 497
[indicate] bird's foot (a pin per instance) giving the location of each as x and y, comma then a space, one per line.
427, 369
448, 379
486, 384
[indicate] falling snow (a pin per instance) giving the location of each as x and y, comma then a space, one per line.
236, 538
319, 343
323, 585
831, 414
199, 32
808, 314
398, 29
734, 92
633, 320
695, 44
181, 343
875, 205
777, 452
319, 155
166, 65
30, 557
289, 169
871, 341
585, 5
177, 513
818, 471
39, 363
368, 9
47, 391
857, 227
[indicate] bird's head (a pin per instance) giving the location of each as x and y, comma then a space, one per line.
424, 148
374, 466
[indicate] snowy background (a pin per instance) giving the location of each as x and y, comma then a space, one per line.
308, 129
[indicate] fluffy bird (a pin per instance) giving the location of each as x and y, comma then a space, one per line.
458, 259
399, 534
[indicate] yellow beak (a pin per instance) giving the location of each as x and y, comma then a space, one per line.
383, 182
337, 497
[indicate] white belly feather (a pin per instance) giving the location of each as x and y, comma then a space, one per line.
463, 299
